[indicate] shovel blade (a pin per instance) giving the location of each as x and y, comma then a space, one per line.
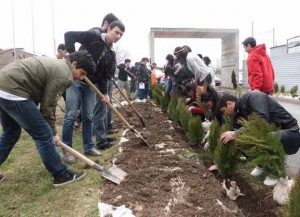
111, 176
141, 119
118, 172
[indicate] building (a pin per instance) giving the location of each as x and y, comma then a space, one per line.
286, 63
7, 56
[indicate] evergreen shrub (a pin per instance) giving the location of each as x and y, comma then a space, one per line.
260, 141
195, 130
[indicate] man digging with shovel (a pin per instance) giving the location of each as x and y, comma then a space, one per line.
32, 81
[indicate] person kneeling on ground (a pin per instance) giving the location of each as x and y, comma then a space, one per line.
32, 81
268, 109
191, 91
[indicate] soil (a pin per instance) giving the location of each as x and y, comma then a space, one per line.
162, 182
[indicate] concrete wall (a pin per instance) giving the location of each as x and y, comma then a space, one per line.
7, 56
230, 59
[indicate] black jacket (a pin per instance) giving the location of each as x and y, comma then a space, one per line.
102, 54
143, 74
123, 75
267, 108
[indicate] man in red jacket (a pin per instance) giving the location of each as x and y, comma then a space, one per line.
260, 70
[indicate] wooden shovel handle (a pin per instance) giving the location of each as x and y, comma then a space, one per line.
76, 154
108, 103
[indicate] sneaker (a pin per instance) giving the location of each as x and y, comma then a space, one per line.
2, 177
110, 139
104, 146
270, 181
67, 178
113, 131
67, 157
257, 171
92, 152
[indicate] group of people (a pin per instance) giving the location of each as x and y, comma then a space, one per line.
184, 67
30, 89
141, 76
257, 100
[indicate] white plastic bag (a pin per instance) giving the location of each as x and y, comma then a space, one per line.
114, 211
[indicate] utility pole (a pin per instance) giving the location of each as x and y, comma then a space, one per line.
273, 37
252, 29
32, 24
13, 24
54, 43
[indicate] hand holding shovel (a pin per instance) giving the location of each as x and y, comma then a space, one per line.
131, 128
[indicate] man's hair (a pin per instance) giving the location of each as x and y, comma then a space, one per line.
84, 61
117, 23
145, 59
200, 55
61, 47
250, 40
224, 99
127, 60
187, 87
206, 60
170, 57
109, 18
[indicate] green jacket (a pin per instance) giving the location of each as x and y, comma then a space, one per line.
40, 79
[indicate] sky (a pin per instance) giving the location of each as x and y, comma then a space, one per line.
38, 26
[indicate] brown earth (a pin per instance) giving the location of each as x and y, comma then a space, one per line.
162, 182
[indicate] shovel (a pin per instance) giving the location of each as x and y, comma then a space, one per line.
114, 174
120, 104
136, 133
130, 104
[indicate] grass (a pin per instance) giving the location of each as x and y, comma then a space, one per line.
28, 191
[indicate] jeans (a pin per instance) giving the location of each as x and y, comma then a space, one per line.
143, 93
169, 87
25, 114
76, 92
109, 125
290, 141
100, 122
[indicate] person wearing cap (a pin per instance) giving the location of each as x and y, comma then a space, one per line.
260, 70
143, 78
194, 64
32, 81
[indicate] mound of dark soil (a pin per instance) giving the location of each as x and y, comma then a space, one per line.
163, 181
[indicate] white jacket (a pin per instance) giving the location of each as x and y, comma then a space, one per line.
197, 67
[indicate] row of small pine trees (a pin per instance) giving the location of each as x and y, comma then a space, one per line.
256, 140
179, 113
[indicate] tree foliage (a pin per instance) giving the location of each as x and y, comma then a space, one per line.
260, 141
226, 155
195, 130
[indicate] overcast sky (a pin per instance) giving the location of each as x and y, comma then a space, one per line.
140, 16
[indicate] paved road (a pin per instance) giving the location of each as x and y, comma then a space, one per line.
293, 161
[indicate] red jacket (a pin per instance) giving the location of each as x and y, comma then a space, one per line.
260, 70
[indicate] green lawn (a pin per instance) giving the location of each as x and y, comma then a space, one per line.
28, 191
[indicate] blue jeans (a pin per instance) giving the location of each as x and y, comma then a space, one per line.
290, 141
143, 93
169, 87
100, 122
76, 92
109, 112
25, 114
